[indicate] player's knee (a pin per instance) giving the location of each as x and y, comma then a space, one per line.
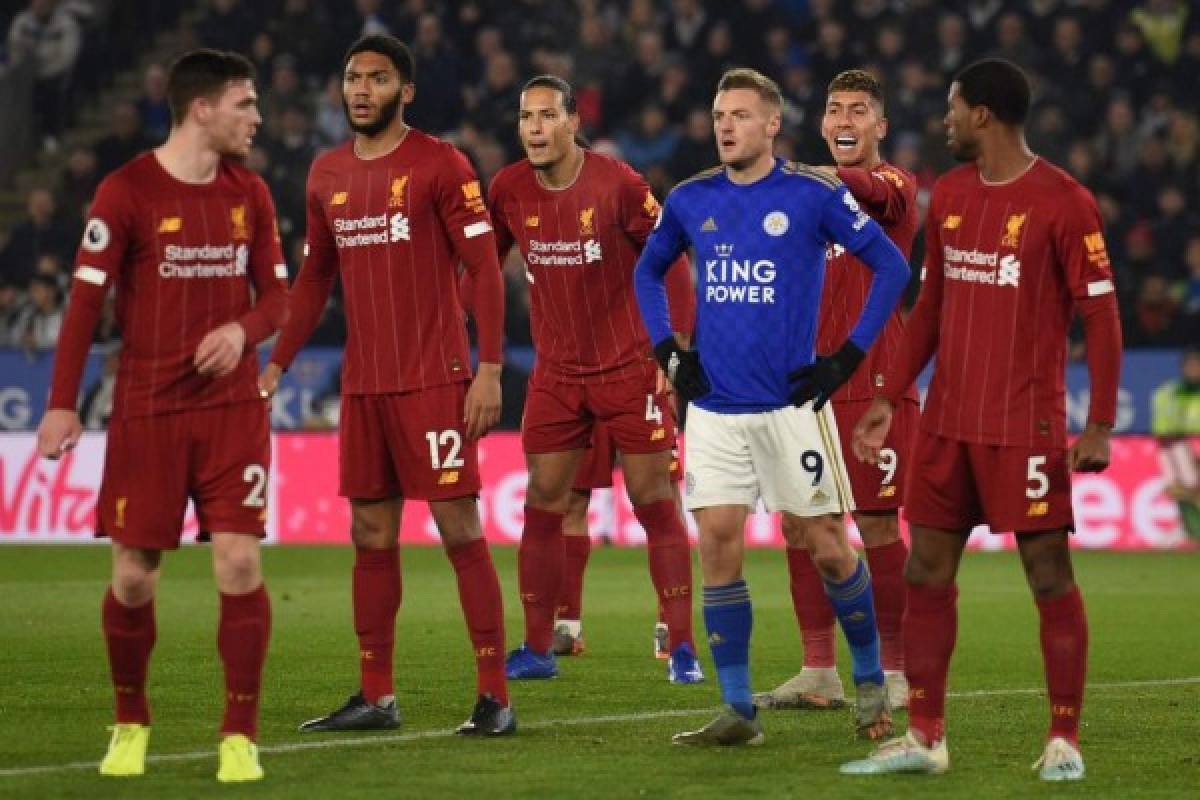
923, 571
878, 530
133, 587
239, 570
793, 531
369, 531
1049, 579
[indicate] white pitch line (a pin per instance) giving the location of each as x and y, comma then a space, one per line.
325, 744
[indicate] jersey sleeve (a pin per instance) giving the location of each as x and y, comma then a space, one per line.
843, 221
268, 271
464, 216
921, 331
504, 236
666, 243
102, 252
1080, 249
314, 283
885, 192
639, 211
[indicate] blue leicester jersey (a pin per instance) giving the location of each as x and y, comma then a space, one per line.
760, 264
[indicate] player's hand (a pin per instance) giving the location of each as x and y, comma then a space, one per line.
682, 368
1090, 453
871, 431
59, 432
220, 350
268, 381
483, 401
820, 379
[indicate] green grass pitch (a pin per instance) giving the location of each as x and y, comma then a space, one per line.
603, 728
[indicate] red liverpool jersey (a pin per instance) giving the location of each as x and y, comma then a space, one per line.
395, 228
889, 195
1005, 268
580, 245
185, 259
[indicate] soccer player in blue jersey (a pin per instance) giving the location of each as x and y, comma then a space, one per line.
758, 423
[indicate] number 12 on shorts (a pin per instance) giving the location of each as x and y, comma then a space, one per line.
444, 447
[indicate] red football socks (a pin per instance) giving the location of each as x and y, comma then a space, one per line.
576, 550
670, 558
483, 609
539, 574
129, 633
377, 591
813, 611
1064, 635
242, 634
887, 581
930, 629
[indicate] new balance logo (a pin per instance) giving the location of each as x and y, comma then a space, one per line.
709, 225
1038, 508
170, 225
952, 222
448, 478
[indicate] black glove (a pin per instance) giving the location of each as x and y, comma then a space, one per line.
683, 369
819, 380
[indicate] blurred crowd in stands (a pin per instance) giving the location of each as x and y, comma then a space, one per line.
1116, 105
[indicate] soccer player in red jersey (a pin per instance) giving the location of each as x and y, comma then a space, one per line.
1014, 248
595, 472
187, 236
393, 212
853, 125
580, 220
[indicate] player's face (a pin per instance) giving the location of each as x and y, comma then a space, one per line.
547, 131
745, 126
960, 132
852, 127
234, 119
373, 93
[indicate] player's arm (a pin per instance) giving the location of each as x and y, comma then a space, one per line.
503, 234
664, 246
914, 351
843, 222
465, 219
885, 193
97, 266
1079, 245
221, 349
310, 291
639, 212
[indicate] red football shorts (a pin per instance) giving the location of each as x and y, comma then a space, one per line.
878, 487
560, 416
596, 468
409, 444
957, 485
219, 457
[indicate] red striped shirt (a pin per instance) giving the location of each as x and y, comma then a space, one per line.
395, 229
580, 246
889, 195
185, 259
1005, 268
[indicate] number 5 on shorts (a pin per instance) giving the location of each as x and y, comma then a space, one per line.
1035, 475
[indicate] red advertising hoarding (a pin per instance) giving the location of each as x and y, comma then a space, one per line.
43, 501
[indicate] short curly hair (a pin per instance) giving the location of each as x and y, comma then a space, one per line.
857, 80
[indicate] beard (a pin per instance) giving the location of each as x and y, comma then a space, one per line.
387, 113
964, 152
